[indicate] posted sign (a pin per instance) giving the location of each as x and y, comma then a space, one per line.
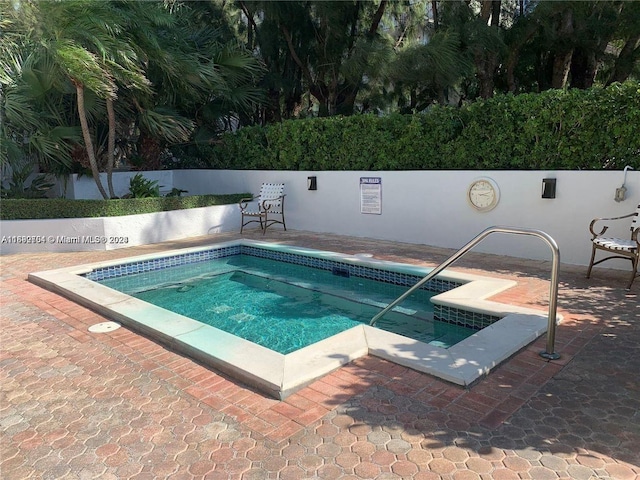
371, 195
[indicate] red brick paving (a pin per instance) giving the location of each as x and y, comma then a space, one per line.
77, 404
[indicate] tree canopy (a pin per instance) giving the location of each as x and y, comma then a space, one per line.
86, 84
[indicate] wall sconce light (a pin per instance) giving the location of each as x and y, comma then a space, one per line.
621, 192
548, 188
312, 183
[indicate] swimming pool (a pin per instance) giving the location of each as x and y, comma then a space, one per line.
497, 330
286, 306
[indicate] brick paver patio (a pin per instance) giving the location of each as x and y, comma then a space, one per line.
76, 404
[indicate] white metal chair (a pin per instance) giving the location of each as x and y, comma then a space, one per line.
270, 205
619, 247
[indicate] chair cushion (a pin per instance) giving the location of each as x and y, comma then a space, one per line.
612, 243
253, 212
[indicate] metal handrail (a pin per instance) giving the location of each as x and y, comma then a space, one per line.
553, 292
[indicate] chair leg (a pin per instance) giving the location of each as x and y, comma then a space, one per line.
241, 223
593, 256
634, 271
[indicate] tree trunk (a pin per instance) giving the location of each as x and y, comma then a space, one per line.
486, 61
495, 13
88, 143
629, 54
583, 69
272, 107
434, 13
150, 151
562, 58
373, 28
111, 146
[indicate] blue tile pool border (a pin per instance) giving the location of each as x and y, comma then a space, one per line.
453, 315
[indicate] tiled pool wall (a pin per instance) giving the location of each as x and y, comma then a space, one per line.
447, 314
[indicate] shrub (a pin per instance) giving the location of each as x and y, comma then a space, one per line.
140, 187
15, 209
556, 129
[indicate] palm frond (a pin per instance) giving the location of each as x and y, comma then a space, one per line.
167, 124
85, 67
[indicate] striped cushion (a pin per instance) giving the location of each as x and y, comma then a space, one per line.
261, 212
635, 222
616, 244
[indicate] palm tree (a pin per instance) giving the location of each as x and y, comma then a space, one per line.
201, 77
131, 59
34, 125
89, 42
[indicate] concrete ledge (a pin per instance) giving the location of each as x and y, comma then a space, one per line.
109, 233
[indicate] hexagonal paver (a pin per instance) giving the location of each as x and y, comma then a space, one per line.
404, 468
327, 430
517, 464
542, 473
378, 437
360, 429
528, 454
478, 465
310, 462
293, 452
441, 466
367, 470
398, 446
311, 441
348, 459
328, 450
383, 458
345, 439
455, 454
363, 449
274, 463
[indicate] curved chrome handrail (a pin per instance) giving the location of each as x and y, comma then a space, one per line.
553, 292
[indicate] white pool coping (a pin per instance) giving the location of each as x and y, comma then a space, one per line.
281, 375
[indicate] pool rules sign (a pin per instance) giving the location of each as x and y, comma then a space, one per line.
371, 195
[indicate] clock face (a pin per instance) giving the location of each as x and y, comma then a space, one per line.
483, 194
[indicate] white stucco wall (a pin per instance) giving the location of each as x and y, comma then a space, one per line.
424, 207
430, 207
108, 233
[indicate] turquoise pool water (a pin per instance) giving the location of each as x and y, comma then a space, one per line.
283, 306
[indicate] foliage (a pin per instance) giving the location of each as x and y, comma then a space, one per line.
18, 187
116, 78
574, 129
176, 192
140, 187
344, 57
34, 118
13, 209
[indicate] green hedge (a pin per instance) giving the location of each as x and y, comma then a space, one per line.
16, 209
574, 129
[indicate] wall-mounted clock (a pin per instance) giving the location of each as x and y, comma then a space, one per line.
483, 194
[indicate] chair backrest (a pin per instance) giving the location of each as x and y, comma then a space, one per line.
272, 191
635, 220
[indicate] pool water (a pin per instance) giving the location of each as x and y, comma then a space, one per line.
283, 306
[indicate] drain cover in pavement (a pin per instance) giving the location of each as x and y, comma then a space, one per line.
104, 327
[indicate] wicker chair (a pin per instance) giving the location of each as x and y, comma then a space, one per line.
619, 247
270, 207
